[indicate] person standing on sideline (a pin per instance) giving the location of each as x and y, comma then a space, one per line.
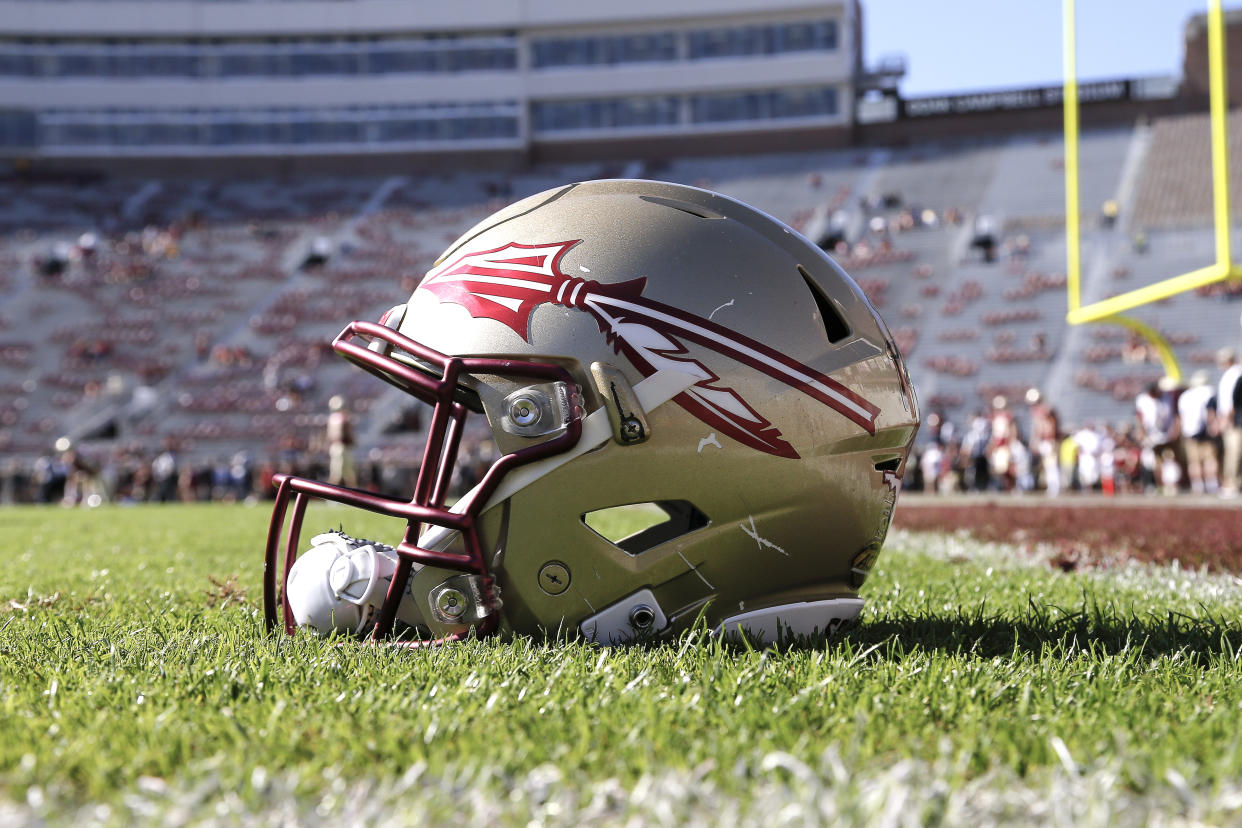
1045, 440
1156, 411
1196, 408
164, 471
1229, 419
340, 445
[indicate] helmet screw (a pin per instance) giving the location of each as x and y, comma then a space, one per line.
554, 578
631, 429
642, 617
451, 603
524, 412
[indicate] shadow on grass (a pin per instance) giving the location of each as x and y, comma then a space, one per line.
1038, 631
1050, 632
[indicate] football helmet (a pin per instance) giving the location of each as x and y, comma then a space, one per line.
631, 344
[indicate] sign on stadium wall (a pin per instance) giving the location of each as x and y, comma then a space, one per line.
1010, 99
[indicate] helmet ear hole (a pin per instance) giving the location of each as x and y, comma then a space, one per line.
636, 527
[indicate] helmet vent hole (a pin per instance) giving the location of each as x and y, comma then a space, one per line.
890, 465
684, 206
636, 527
831, 318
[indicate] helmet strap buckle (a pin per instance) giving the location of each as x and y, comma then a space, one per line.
625, 413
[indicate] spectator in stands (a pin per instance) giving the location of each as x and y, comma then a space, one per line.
1156, 413
241, 476
1127, 460
49, 479
930, 460
1020, 462
82, 483
1067, 452
10, 481
950, 470
1136, 350
984, 238
975, 452
1108, 213
1004, 432
189, 478
1089, 444
1108, 460
164, 472
1045, 438
340, 445
1196, 409
932, 425
140, 480
1229, 419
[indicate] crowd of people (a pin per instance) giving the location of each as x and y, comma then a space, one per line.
132, 474
1183, 437
72, 475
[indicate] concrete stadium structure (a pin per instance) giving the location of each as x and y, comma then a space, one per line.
495, 80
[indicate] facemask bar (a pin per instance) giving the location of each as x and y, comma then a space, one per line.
435, 472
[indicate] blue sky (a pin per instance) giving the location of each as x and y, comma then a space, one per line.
965, 45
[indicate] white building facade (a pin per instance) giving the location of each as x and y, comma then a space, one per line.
193, 78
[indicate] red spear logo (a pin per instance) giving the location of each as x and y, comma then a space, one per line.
507, 284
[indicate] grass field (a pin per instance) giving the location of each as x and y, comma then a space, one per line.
981, 686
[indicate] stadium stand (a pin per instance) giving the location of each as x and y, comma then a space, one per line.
140, 313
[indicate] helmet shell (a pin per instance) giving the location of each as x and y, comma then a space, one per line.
790, 497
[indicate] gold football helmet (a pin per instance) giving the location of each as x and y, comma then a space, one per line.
632, 345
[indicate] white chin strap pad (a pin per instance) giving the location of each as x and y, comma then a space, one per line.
339, 583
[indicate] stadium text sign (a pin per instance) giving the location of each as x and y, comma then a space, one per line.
1012, 99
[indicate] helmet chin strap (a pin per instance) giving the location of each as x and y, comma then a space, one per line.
652, 392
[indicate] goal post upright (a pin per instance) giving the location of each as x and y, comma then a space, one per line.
1069, 106
1220, 135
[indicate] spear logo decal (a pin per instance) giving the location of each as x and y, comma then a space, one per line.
507, 284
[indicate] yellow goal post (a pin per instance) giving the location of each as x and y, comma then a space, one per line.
1110, 310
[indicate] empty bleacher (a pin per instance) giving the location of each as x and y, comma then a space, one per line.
201, 310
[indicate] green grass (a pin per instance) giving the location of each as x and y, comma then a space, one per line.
980, 686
